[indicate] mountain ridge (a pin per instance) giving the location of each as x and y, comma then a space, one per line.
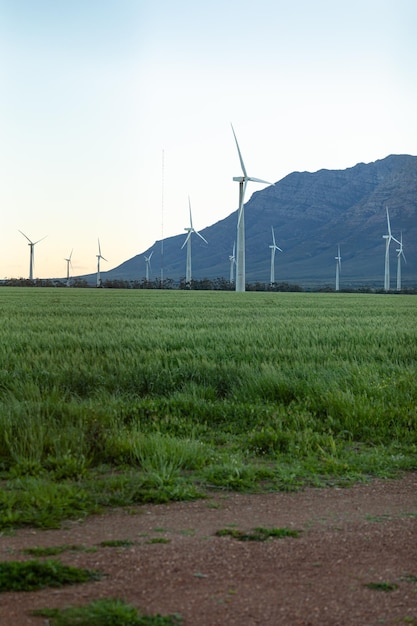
312, 213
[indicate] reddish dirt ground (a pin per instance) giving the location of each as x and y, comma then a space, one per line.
349, 537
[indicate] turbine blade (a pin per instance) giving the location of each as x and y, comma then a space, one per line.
191, 217
259, 180
99, 249
25, 236
201, 236
242, 165
186, 239
150, 256
40, 240
388, 222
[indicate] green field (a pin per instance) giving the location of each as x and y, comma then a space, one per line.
118, 397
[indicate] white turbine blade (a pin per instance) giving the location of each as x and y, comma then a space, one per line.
389, 225
186, 239
40, 240
201, 236
242, 165
25, 236
191, 217
99, 249
259, 180
150, 256
278, 249
273, 235
234, 249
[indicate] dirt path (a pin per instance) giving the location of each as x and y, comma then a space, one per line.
350, 537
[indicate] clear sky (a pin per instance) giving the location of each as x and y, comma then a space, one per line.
113, 112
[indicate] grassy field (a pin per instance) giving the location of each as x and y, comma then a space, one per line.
113, 398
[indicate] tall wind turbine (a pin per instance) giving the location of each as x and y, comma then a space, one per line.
338, 267
232, 259
274, 248
399, 255
99, 257
243, 181
190, 230
148, 265
68, 270
388, 238
32, 245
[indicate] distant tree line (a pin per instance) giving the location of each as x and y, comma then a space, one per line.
204, 284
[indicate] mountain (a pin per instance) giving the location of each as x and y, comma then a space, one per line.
311, 214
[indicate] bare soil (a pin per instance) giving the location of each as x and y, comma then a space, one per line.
349, 537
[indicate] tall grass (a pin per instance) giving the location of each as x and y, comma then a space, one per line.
188, 383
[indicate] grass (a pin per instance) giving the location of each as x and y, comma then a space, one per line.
105, 612
119, 398
382, 586
117, 543
39, 551
32, 575
258, 534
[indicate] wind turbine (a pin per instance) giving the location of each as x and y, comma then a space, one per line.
68, 266
243, 181
99, 257
338, 267
388, 238
232, 259
190, 230
274, 248
32, 245
148, 265
400, 254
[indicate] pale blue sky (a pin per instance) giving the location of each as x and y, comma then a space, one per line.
94, 92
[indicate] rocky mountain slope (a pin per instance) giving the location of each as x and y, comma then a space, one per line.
311, 214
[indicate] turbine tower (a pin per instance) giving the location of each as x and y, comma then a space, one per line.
232, 259
388, 238
99, 257
243, 181
274, 248
190, 230
31, 245
400, 254
148, 265
338, 267
68, 266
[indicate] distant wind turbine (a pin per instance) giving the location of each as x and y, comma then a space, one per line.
388, 238
68, 270
400, 254
148, 265
243, 181
190, 230
32, 245
274, 248
338, 268
232, 259
99, 257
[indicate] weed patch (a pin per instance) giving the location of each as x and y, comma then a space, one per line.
31, 575
258, 534
106, 612
382, 586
